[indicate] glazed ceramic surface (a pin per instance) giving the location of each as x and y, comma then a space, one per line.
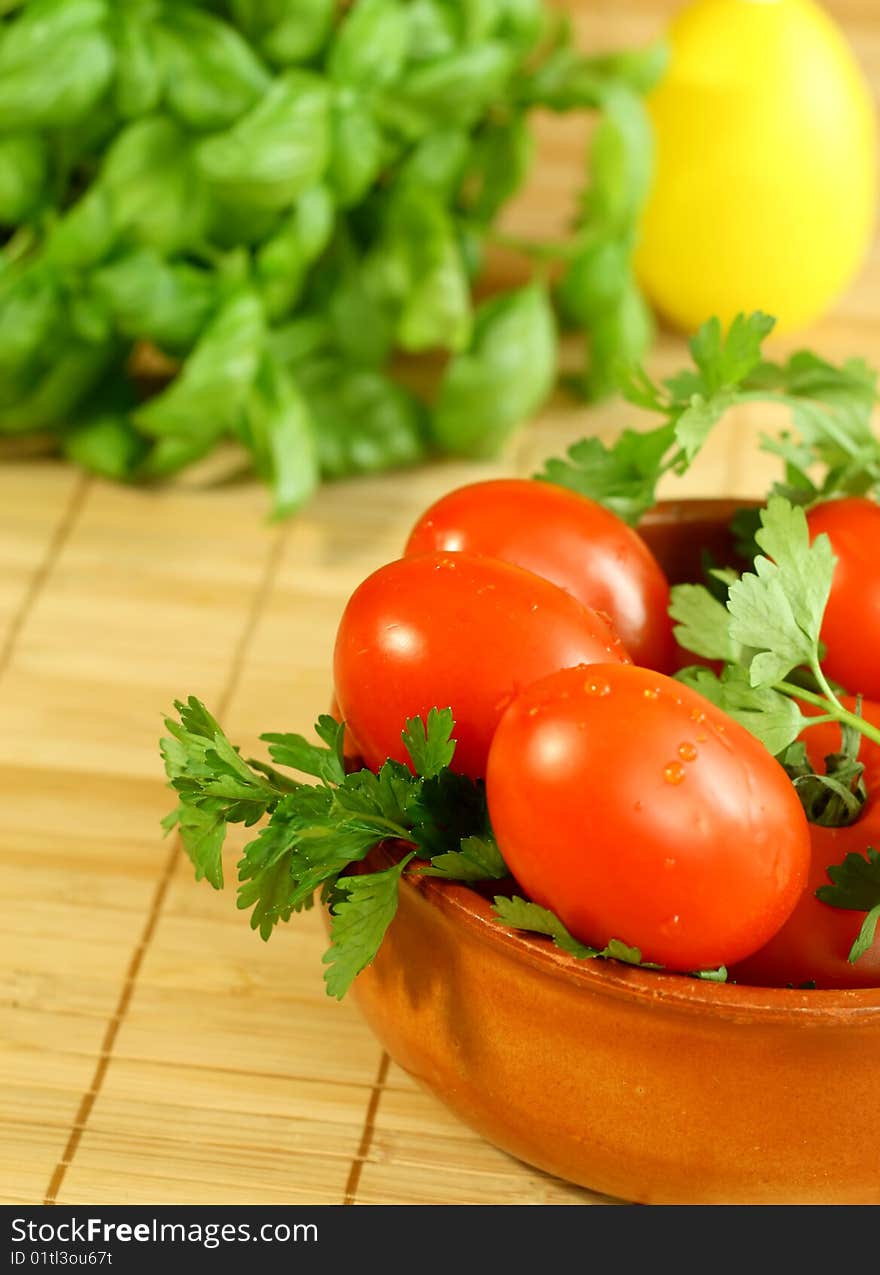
648, 1087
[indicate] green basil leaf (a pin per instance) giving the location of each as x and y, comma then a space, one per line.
594, 281
502, 379
52, 402
156, 194
282, 260
315, 217
433, 30
437, 164
212, 75
364, 422
455, 89
436, 307
86, 234
103, 438
371, 44
106, 444
478, 19
277, 428
621, 161
523, 22
617, 340
24, 166
640, 69
31, 314
280, 271
500, 162
286, 31
139, 70
89, 318
301, 340
355, 296
204, 400
168, 303
357, 148
56, 63
276, 151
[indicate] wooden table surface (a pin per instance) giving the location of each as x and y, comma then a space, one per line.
154, 1050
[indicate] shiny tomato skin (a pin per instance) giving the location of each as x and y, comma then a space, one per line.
814, 943
634, 809
851, 626
567, 538
460, 631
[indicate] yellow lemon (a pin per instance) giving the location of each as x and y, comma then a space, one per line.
765, 184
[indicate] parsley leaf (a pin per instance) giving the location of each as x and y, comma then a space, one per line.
834, 449
770, 715
519, 914
296, 752
724, 361
446, 809
703, 623
856, 886
215, 785
430, 747
479, 859
359, 920
778, 608
767, 636
316, 831
623, 477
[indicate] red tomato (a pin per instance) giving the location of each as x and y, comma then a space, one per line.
635, 809
813, 944
824, 739
851, 627
460, 631
575, 542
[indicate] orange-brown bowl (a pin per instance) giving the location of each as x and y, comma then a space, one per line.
650, 1087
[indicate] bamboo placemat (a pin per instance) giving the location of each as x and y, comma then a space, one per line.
154, 1050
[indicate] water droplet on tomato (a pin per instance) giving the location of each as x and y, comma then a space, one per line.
701, 739
697, 715
687, 752
651, 692
674, 773
597, 686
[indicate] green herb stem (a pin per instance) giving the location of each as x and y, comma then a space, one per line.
532, 248
824, 683
834, 709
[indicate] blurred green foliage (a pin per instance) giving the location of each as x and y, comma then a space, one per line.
283, 195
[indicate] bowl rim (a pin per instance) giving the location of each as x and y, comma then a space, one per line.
809, 1007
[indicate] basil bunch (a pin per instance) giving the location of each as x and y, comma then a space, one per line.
282, 196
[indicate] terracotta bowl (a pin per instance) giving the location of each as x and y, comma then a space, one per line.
648, 1087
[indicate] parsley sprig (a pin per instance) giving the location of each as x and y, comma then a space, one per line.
766, 635
832, 451
520, 914
315, 832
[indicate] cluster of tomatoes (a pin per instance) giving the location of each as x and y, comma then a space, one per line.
620, 799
